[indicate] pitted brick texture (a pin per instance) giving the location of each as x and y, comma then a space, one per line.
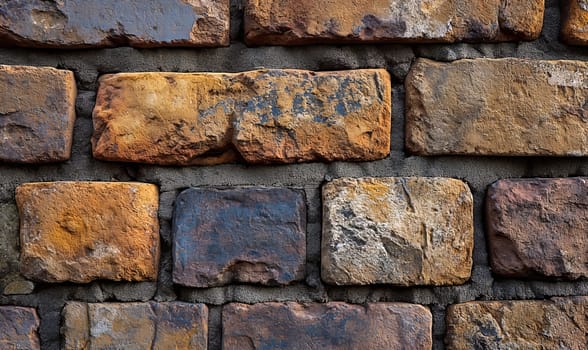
152, 325
272, 116
90, 230
402, 231
18, 328
508, 107
574, 18
559, 323
88, 23
253, 235
37, 114
333, 325
296, 22
537, 228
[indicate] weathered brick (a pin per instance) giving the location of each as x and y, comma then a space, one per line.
152, 325
270, 116
37, 114
509, 107
333, 325
402, 231
91, 230
296, 22
18, 328
537, 227
574, 18
87, 23
254, 235
559, 323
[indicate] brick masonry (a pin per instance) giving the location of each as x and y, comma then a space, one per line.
332, 195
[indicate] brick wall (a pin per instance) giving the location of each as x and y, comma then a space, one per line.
293, 174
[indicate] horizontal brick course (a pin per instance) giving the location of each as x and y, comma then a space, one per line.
87, 23
37, 114
253, 235
402, 231
559, 323
272, 116
333, 325
91, 230
508, 107
18, 328
537, 228
296, 22
152, 325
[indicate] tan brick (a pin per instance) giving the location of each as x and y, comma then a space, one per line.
83, 23
559, 323
296, 22
537, 228
90, 230
270, 116
152, 325
509, 107
333, 325
402, 231
574, 18
37, 114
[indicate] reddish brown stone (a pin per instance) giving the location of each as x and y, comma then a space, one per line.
559, 323
37, 114
254, 235
90, 230
537, 228
173, 325
574, 19
333, 326
296, 22
270, 116
86, 23
18, 328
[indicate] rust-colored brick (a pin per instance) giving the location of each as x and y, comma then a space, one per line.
402, 231
296, 22
574, 18
507, 107
82, 231
537, 228
559, 323
37, 114
88, 23
270, 116
334, 325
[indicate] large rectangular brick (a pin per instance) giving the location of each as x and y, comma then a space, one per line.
559, 323
18, 328
269, 116
151, 325
402, 231
254, 235
90, 230
509, 107
574, 18
296, 22
89, 23
37, 114
333, 326
537, 227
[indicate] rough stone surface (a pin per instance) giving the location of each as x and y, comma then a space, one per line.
333, 325
152, 325
91, 230
18, 328
254, 235
37, 114
559, 323
295, 22
402, 231
537, 228
269, 116
509, 107
19, 286
87, 23
574, 19
8, 239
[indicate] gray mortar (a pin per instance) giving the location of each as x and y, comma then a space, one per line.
478, 172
